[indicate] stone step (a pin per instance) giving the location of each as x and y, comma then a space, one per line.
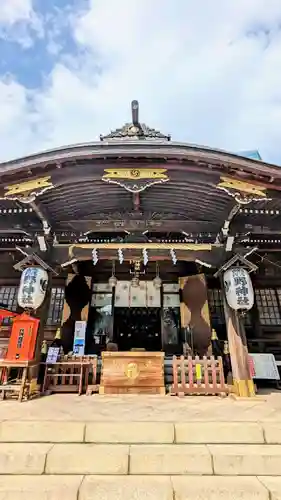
140, 459
140, 432
139, 487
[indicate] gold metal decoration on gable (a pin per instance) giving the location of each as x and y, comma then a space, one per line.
27, 191
243, 192
135, 180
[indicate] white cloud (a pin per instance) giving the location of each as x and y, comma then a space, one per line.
18, 22
12, 11
206, 71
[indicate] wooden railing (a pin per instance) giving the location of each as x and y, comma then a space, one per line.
198, 376
70, 374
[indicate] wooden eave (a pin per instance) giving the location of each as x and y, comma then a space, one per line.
81, 201
180, 153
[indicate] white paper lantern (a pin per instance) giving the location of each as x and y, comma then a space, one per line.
32, 289
238, 289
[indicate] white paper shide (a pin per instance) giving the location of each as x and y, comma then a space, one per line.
238, 289
32, 289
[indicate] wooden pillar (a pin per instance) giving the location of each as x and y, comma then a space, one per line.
242, 380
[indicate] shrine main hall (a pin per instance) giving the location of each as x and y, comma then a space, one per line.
136, 232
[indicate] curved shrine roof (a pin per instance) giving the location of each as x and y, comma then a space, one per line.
138, 141
136, 179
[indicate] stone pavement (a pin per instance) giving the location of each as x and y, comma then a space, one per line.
141, 448
144, 408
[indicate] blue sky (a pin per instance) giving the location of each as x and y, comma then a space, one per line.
205, 71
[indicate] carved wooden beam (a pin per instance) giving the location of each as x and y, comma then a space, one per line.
259, 225
205, 258
139, 224
148, 246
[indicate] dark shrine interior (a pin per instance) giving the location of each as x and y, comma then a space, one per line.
137, 327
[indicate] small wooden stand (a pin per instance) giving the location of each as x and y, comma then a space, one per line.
21, 387
69, 375
132, 373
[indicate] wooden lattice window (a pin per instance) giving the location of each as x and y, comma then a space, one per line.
8, 297
215, 299
268, 303
56, 306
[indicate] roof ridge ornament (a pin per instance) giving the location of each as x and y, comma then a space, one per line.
135, 130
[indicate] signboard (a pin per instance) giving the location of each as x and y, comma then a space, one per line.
263, 366
53, 355
79, 338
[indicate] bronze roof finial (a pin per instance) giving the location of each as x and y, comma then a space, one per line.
135, 112
135, 130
